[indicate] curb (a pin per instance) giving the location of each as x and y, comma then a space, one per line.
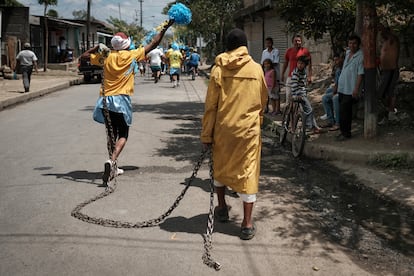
334, 153
25, 97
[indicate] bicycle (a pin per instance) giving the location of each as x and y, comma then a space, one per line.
294, 122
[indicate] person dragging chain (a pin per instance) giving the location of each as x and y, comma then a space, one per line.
119, 67
235, 102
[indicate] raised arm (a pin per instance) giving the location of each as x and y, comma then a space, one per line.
157, 39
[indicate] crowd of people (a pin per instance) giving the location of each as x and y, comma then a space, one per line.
173, 62
347, 75
240, 91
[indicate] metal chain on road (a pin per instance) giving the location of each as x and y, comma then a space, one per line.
76, 212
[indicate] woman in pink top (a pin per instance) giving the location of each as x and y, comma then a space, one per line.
271, 82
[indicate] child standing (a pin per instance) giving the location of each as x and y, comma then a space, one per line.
298, 89
272, 87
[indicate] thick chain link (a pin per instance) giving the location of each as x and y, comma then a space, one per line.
76, 212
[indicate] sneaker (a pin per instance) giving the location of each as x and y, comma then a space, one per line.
108, 168
324, 117
119, 171
222, 214
247, 233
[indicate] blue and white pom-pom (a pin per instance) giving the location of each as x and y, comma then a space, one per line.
148, 38
180, 14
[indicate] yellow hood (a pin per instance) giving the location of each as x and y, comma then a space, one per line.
233, 59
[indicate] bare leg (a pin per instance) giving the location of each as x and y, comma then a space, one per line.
391, 104
221, 192
247, 220
274, 105
119, 146
277, 103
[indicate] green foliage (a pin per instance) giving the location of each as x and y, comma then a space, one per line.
81, 15
315, 18
11, 3
52, 13
130, 29
212, 20
337, 17
47, 3
392, 161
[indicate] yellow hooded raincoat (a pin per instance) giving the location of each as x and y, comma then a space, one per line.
236, 97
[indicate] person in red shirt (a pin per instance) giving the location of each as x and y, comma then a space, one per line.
291, 58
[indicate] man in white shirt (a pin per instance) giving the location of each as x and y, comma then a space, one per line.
27, 60
155, 57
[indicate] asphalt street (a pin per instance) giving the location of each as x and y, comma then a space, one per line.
51, 159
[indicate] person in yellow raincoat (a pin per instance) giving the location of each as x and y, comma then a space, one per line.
235, 101
119, 67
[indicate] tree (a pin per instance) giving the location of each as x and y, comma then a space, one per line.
316, 18
52, 13
46, 3
211, 20
81, 15
130, 29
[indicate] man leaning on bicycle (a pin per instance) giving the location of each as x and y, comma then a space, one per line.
298, 92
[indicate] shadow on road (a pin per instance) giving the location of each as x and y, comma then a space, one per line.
83, 176
198, 225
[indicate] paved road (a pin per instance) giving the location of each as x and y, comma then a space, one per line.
51, 159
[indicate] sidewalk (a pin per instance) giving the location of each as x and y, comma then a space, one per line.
376, 162
12, 91
384, 164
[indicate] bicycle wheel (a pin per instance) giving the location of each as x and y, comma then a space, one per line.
284, 129
299, 134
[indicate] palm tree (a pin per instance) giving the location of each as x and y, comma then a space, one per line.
46, 3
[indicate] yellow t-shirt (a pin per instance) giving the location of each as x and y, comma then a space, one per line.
175, 59
119, 70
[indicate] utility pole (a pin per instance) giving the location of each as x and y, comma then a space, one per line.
88, 24
140, 10
119, 11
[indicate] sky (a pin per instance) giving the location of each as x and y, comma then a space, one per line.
128, 11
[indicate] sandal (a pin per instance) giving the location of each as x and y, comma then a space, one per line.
222, 214
334, 128
247, 233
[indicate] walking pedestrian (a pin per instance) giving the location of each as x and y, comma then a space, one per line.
236, 98
349, 85
155, 57
119, 69
27, 60
291, 58
175, 61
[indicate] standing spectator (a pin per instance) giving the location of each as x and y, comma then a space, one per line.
390, 73
175, 60
272, 86
27, 60
291, 58
349, 84
330, 99
273, 54
117, 89
62, 48
236, 97
155, 58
